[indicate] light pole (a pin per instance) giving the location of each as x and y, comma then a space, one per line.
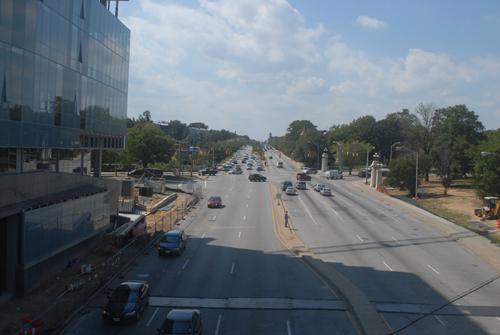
416, 170
318, 151
340, 159
486, 153
391, 149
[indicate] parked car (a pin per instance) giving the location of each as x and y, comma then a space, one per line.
303, 176
301, 185
334, 174
173, 242
182, 321
310, 170
127, 301
291, 191
325, 191
285, 184
319, 187
214, 202
256, 177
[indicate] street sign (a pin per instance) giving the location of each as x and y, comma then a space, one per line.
278, 195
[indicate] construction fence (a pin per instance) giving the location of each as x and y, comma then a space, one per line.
92, 278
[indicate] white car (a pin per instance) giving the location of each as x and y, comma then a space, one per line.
319, 187
236, 171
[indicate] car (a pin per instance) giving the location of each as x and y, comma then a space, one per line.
279, 164
209, 172
172, 242
291, 191
256, 177
325, 191
369, 169
243, 160
270, 157
310, 170
260, 168
226, 168
182, 321
301, 185
214, 202
303, 176
127, 301
334, 174
285, 184
384, 166
249, 167
361, 173
135, 173
318, 187
236, 171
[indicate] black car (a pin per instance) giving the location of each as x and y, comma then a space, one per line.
182, 321
173, 242
256, 177
127, 301
286, 184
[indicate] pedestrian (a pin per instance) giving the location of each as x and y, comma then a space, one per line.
286, 219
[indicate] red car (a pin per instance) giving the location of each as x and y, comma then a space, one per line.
303, 176
214, 202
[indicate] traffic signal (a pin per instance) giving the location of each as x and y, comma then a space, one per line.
309, 154
280, 154
262, 154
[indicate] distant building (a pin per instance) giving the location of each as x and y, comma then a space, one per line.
63, 82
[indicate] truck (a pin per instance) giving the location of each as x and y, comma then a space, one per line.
333, 174
209, 172
490, 210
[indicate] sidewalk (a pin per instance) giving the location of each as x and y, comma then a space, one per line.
481, 247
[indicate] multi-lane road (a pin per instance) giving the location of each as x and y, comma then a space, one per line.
245, 280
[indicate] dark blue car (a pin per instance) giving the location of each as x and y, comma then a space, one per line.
173, 242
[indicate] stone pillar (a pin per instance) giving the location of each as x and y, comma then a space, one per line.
376, 177
324, 162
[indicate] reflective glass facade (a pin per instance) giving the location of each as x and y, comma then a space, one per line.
49, 228
63, 75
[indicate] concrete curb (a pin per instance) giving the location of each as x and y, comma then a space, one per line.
367, 317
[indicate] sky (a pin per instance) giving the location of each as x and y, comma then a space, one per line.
254, 66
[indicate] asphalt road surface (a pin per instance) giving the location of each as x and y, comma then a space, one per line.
244, 279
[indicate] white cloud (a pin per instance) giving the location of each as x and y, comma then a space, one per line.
310, 86
347, 87
371, 23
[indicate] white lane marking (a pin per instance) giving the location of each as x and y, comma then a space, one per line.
205, 183
232, 268
153, 316
498, 318
185, 264
214, 217
360, 238
396, 240
307, 211
239, 235
247, 205
433, 269
250, 190
244, 217
288, 327
226, 196
218, 325
439, 320
202, 236
333, 210
388, 266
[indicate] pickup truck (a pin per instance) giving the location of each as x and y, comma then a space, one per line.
209, 172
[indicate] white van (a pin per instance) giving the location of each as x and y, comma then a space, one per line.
279, 164
333, 174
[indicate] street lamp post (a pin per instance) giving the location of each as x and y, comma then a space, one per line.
416, 170
391, 149
318, 151
340, 159
486, 153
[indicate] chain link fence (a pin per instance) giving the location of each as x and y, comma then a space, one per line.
91, 278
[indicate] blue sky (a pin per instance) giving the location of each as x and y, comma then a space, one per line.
254, 66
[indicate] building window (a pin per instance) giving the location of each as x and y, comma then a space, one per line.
80, 52
82, 11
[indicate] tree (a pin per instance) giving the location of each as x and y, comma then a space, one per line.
486, 176
402, 174
443, 159
177, 130
149, 144
198, 125
145, 117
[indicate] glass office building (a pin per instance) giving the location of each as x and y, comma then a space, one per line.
63, 99
63, 83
